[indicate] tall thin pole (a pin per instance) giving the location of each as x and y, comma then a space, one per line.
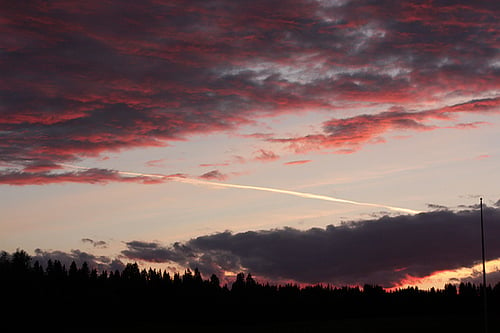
485, 304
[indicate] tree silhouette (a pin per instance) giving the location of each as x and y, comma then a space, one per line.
84, 272
239, 284
214, 281
250, 282
21, 262
150, 293
131, 273
73, 271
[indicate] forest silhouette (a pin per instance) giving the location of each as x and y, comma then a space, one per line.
80, 297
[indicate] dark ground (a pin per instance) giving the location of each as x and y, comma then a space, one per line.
353, 325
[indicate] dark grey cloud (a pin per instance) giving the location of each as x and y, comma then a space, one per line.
385, 250
214, 175
436, 206
79, 257
154, 252
99, 244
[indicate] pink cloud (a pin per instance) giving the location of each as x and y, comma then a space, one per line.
213, 164
92, 176
483, 156
156, 163
297, 162
258, 135
472, 125
349, 134
41, 167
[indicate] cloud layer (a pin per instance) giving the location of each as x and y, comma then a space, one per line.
99, 263
80, 81
385, 251
91, 176
349, 134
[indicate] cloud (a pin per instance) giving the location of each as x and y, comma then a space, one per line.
156, 163
349, 134
214, 175
482, 156
153, 252
41, 166
98, 262
203, 165
297, 162
385, 250
257, 135
99, 244
437, 207
265, 155
92, 176
477, 278
107, 77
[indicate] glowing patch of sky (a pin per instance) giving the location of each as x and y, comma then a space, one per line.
452, 276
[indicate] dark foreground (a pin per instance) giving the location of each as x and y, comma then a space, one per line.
410, 324
353, 325
78, 299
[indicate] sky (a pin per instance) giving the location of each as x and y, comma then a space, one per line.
306, 141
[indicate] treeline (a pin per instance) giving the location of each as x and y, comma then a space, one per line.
82, 294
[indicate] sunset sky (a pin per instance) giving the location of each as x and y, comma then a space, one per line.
310, 141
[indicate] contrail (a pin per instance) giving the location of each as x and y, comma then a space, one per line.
256, 188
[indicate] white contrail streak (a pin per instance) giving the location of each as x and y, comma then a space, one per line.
256, 188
